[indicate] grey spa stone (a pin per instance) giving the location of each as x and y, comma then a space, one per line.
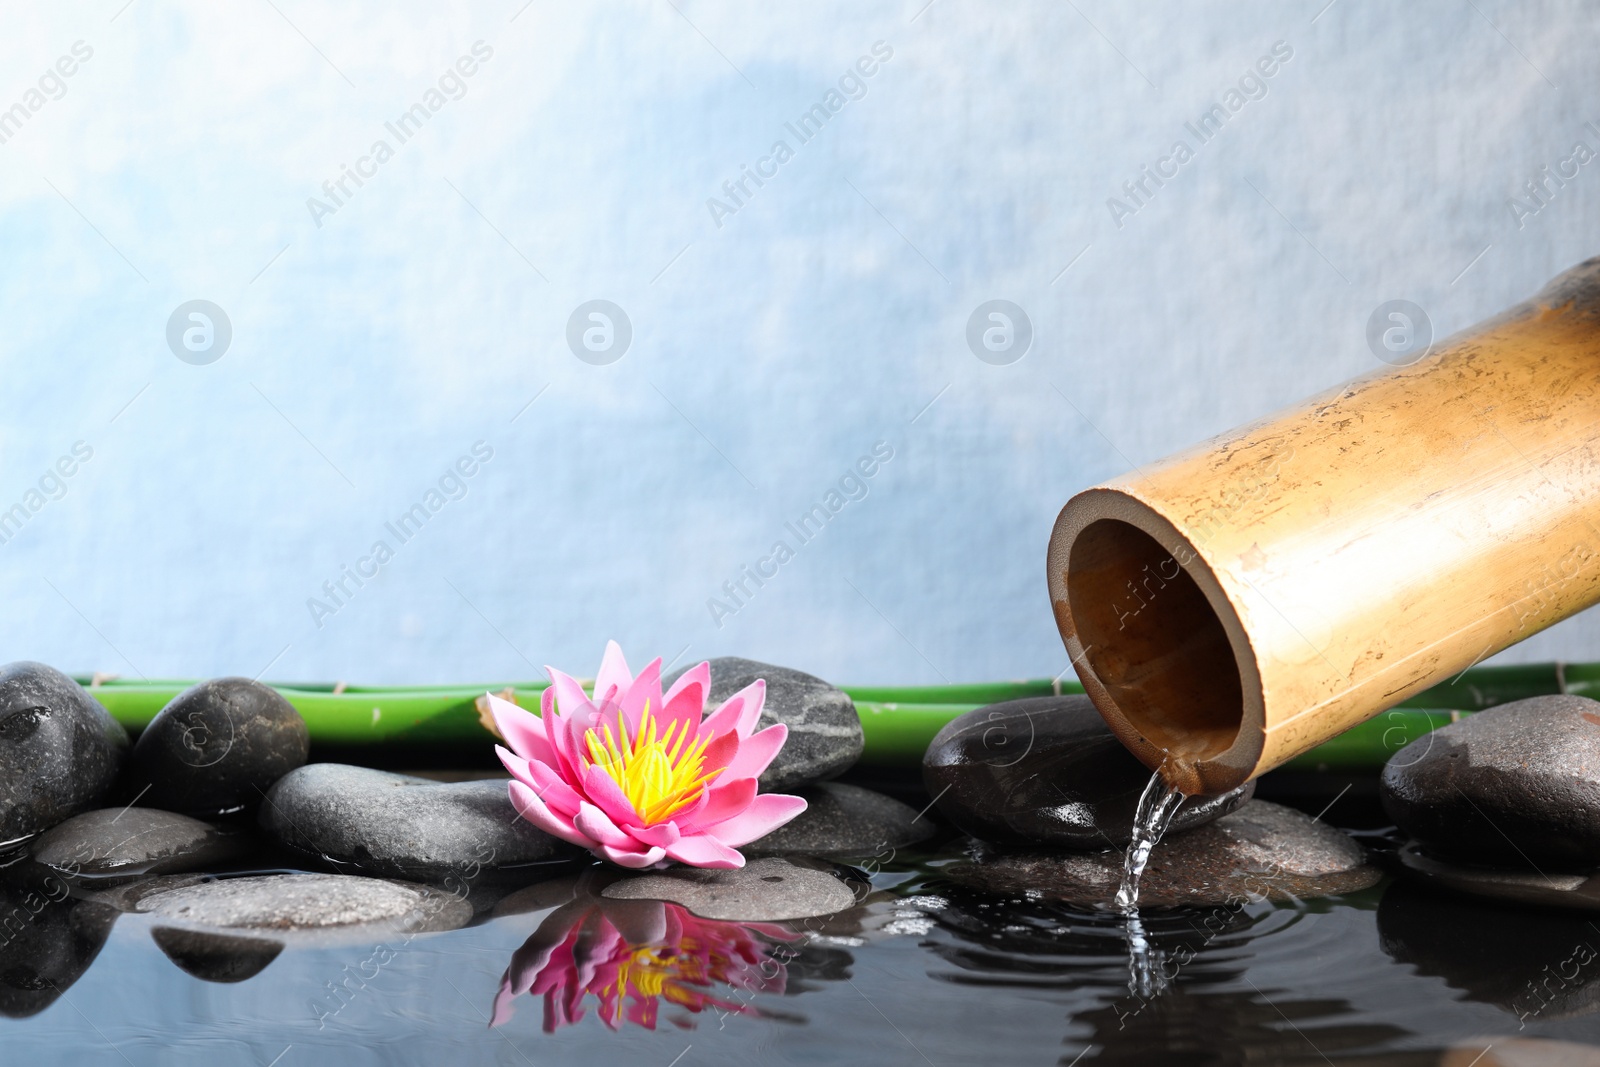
1048, 771
763, 890
1517, 785
113, 842
845, 820
60, 751
369, 822
291, 903
216, 749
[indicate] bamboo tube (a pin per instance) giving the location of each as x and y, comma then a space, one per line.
1243, 601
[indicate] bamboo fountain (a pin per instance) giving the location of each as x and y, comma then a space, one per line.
1245, 600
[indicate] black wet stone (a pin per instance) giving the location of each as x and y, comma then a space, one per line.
763, 890
60, 751
825, 737
1047, 771
216, 957
371, 822
845, 820
1517, 785
48, 939
1261, 851
116, 842
216, 748
291, 903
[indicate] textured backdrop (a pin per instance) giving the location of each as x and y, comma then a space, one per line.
400, 208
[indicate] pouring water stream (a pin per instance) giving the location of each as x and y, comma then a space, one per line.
1157, 805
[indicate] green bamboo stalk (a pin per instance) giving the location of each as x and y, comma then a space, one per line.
898, 721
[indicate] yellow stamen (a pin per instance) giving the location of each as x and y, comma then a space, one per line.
660, 775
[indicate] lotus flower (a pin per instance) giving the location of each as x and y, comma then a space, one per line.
633, 954
638, 777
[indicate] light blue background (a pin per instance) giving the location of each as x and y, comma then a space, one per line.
768, 354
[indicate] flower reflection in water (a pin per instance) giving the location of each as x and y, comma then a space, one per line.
630, 955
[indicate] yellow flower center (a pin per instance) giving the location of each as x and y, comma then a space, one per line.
659, 775
671, 972
646, 970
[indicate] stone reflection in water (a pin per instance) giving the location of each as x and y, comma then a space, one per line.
1198, 1027
1534, 964
216, 957
47, 940
633, 955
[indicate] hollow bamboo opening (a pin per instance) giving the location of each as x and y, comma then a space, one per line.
1153, 640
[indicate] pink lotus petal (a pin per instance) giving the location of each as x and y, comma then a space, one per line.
613, 671
514, 763
757, 752
646, 689
545, 783
558, 730
684, 814
704, 850
570, 697
720, 752
530, 807
553, 789
603, 791
592, 823
522, 730
635, 860
662, 834
738, 714
721, 803
766, 813
682, 713
503, 1004
680, 695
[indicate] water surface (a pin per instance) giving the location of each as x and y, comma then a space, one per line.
923, 972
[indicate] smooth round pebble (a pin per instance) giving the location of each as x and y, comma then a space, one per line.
763, 890
845, 820
1048, 771
825, 737
60, 751
306, 902
1517, 785
1261, 851
110, 842
217, 748
393, 825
